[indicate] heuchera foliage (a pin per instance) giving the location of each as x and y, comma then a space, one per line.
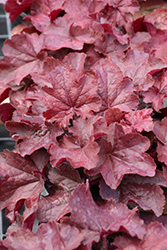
87, 88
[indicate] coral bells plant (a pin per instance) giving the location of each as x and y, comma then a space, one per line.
87, 87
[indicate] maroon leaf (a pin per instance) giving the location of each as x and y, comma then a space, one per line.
155, 238
4, 92
49, 236
31, 137
55, 206
157, 93
115, 11
44, 12
6, 112
144, 191
15, 8
123, 154
67, 92
113, 115
114, 91
105, 217
72, 149
18, 183
160, 130
138, 66
21, 58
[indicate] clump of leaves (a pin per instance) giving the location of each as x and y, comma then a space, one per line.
87, 88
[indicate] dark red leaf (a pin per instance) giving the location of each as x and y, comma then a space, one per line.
6, 112
138, 66
4, 92
122, 154
21, 58
65, 179
66, 91
49, 236
158, 91
160, 130
19, 183
103, 218
42, 12
114, 90
31, 137
116, 11
15, 7
155, 238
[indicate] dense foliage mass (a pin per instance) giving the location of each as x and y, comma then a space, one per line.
87, 84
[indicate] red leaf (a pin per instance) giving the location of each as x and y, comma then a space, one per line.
21, 58
160, 130
157, 93
63, 33
138, 66
158, 18
115, 11
49, 236
75, 28
66, 92
162, 152
123, 154
72, 150
55, 206
114, 91
103, 218
42, 12
18, 183
4, 92
138, 120
31, 137
155, 238
144, 191
113, 115
15, 7
6, 112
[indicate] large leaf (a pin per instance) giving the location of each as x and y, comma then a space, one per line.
122, 154
49, 236
138, 66
144, 191
65, 92
22, 57
20, 182
31, 137
103, 218
155, 238
114, 91
65, 179
44, 12
79, 148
